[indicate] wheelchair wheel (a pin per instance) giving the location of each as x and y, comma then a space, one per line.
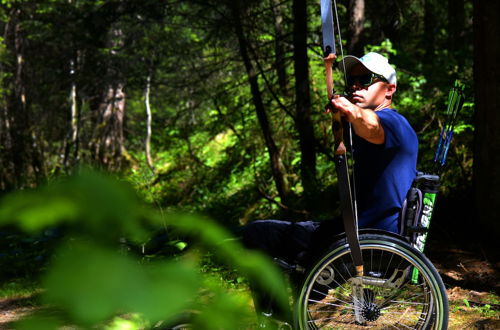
400, 289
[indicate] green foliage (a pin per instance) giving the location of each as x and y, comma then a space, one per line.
69, 201
18, 288
133, 321
92, 279
385, 48
40, 323
94, 283
485, 310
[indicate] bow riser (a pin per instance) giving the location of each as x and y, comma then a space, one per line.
341, 165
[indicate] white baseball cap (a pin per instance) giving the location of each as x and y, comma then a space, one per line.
374, 62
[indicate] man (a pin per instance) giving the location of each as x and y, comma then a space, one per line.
385, 146
385, 151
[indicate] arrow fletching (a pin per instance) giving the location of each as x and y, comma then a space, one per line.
455, 104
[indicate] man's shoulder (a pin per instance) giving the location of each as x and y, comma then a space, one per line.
395, 123
388, 112
391, 113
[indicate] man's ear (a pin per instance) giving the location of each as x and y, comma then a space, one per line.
391, 89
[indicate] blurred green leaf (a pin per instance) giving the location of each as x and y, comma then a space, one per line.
253, 264
38, 323
91, 281
35, 210
94, 283
225, 311
95, 201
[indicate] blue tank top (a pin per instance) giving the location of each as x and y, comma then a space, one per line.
384, 173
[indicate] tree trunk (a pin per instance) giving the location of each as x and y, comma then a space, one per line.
107, 144
279, 49
25, 157
487, 125
71, 140
34, 161
7, 170
277, 166
148, 123
356, 26
429, 32
456, 23
20, 143
303, 120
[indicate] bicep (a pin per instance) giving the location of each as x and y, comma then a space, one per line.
370, 128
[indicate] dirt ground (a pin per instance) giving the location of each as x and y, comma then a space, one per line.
13, 309
472, 279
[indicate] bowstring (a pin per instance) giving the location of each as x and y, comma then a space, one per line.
354, 206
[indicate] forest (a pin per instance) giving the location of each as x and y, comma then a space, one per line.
136, 136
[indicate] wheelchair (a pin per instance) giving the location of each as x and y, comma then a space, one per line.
399, 288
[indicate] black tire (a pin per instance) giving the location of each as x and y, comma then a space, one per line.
400, 288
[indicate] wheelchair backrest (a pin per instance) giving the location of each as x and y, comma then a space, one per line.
417, 209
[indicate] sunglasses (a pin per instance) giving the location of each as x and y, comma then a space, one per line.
365, 79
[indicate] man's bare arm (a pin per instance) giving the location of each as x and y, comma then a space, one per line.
365, 122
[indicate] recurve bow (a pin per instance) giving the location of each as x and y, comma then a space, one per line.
347, 204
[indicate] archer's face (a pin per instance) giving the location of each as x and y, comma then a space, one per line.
375, 96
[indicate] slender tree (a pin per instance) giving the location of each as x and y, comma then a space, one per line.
72, 136
456, 30
303, 120
279, 46
277, 166
25, 149
429, 37
356, 26
149, 119
108, 142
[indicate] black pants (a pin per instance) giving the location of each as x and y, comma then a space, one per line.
292, 242
288, 240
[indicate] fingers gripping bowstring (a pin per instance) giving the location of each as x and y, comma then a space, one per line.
354, 206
